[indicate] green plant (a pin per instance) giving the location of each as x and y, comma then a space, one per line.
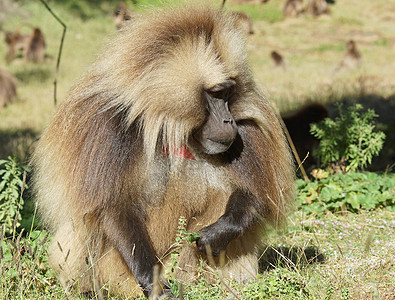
182, 236
350, 140
352, 192
23, 265
12, 186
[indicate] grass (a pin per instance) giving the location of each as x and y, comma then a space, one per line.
352, 259
358, 248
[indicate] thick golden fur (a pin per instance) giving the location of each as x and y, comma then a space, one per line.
145, 92
7, 88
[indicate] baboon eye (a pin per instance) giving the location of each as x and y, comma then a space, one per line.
223, 94
222, 90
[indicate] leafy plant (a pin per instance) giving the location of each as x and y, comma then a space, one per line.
350, 140
352, 192
182, 236
23, 266
12, 186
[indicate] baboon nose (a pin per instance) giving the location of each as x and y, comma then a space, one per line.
228, 121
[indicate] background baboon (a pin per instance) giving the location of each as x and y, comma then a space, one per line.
35, 49
16, 42
111, 172
278, 59
298, 126
352, 57
292, 8
32, 46
317, 7
7, 88
122, 13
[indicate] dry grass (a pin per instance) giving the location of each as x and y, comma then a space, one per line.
313, 47
359, 254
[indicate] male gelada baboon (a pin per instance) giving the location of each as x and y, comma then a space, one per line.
167, 123
7, 88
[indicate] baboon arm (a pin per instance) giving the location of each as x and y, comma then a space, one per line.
240, 215
246, 205
126, 230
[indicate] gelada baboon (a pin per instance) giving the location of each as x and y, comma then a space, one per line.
298, 125
317, 7
278, 59
35, 49
292, 8
352, 58
7, 88
121, 14
167, 123
16, 42
32, 46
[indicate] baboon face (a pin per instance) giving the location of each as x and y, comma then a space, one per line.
219, 130
193, 94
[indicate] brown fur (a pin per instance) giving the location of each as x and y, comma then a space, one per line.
298, 125
293, 8
102, 151
122, 13
35, 50
278, 59
7, 88
16, 42
352, 57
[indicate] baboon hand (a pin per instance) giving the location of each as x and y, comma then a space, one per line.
217, 236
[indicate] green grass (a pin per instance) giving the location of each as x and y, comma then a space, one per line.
353, 260
358, 248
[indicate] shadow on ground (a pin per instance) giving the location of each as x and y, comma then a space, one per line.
274, 257
384, 108
38, 74
17, 143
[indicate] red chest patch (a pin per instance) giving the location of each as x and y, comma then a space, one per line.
182, 152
